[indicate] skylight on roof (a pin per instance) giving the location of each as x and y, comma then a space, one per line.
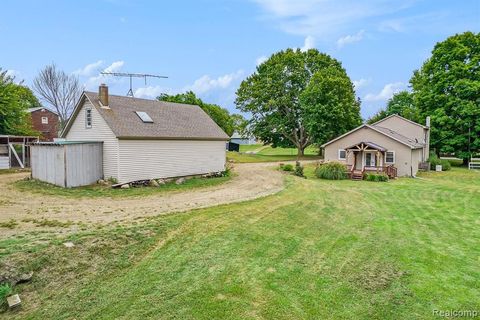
144, 116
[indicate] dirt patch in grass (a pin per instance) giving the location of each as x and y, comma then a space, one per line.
377, 276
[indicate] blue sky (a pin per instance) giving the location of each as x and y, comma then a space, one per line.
209, 46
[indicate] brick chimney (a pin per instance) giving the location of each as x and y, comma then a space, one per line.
103, 95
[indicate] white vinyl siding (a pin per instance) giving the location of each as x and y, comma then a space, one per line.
149, 159
99, 131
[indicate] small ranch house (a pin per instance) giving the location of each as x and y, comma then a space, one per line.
147, 139
393, 145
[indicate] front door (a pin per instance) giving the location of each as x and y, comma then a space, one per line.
369, 159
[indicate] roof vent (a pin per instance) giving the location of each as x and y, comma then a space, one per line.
144, 116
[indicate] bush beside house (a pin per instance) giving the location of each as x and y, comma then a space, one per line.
331, 171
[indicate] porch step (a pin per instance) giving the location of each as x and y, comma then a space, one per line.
357, 175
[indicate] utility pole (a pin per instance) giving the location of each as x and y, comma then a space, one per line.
132, 75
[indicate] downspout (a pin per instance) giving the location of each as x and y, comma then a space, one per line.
411, 162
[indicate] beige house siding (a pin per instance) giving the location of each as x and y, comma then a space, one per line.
99, 131
149, 159
417, 155
407, 129
403, 153
403, 127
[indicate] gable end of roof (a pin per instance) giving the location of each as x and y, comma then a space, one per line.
400, 117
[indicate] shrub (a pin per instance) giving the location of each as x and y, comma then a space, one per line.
446, 165
298, 169
434, 161
376, 177
287, 167
331, 170
5, 291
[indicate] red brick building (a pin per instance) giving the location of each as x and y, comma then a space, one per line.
45, 122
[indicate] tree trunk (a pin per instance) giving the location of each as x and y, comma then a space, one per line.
301, 151
465, 161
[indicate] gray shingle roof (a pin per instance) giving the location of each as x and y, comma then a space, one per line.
170, 120
393, 134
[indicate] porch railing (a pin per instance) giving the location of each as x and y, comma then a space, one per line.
390, 170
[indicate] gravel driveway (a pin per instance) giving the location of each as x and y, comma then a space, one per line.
251, 181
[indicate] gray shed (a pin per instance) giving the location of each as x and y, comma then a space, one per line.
67, 163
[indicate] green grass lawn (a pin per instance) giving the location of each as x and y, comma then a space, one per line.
96, 191
269, 154
317, 250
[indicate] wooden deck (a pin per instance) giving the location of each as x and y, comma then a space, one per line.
356, 174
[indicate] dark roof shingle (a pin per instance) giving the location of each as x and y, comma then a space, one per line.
170, 120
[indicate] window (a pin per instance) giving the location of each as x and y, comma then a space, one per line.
390, 157
88, 118
342, 154
144, 116
44, 120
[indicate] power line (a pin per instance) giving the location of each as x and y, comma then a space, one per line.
132, 75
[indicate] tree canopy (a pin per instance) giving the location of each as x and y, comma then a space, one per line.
402, 103
447, 88
15, 100
220, 115
298, 98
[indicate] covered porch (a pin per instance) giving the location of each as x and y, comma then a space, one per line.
367, 157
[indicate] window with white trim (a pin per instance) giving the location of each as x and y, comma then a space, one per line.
342, 154
44, 120
390, 157
88, 118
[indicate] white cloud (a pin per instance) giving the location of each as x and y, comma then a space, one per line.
387, 92
94, 81
117, 65
206, 83
309, 43
261, 60
89, 68
151, 91
200, 86
361, 83
326, 17
350, 39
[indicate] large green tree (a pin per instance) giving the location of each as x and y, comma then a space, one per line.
240, 124
15, 99
220, 115
299, 98
403, 104
447, 88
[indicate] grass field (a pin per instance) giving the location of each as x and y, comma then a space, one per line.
317, 250
96, 191
269, 154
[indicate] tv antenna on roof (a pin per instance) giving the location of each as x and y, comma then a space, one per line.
132, 75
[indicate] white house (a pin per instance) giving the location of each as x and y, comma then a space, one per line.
147, 139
